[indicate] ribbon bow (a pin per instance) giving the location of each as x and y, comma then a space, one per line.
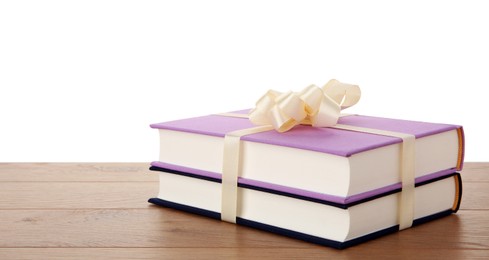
319, 107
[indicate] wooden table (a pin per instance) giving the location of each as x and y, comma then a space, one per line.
99, 211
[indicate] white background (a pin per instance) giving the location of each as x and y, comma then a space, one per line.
82, 80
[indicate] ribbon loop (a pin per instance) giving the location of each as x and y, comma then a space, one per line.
312, 98
345, 95
328, 113
319, 107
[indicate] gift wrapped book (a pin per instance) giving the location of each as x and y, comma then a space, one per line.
297, 167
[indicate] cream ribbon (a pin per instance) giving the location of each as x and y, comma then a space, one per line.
230, 169
319, 107
322, 109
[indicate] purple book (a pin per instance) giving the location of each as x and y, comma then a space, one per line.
356, 165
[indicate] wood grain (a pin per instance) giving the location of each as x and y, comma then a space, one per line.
153, 227
475, 195
83, 195
76, 172
475, 172
232, 253
99, 211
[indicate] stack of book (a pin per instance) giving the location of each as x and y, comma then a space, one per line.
324, 185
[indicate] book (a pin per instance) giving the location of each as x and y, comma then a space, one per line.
309, 219
338, 165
